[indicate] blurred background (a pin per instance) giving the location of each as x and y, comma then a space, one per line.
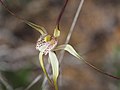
96, 37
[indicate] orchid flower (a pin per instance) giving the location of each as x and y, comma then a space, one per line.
48, 44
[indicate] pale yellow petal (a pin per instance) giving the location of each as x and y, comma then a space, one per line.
43, 67
55, 67
71, 50
40, 29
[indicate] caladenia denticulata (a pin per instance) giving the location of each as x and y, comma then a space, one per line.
48, 44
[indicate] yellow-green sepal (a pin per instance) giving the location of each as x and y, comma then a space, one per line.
43, 67
69, 49
55, 67
40, 29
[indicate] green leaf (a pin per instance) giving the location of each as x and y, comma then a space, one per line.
55, 67
56, 32
43, 67
40, 29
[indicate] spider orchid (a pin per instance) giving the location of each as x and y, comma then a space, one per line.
48, 44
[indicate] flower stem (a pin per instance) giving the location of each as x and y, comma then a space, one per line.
60, 15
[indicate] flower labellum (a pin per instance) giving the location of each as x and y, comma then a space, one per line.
46, 44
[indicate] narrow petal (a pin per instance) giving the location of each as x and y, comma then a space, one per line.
56, 32
43, 67
60, 47
55, 67
36, 27
40, 29
71, 50
68, 48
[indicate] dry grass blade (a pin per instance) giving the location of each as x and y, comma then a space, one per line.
34, 82
71, 28
70, 33
5, 83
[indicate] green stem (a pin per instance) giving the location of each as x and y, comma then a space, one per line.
56, 85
